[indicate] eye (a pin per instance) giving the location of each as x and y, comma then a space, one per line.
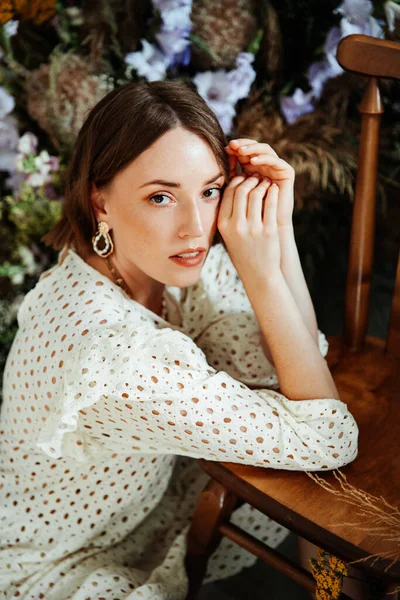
158, 196
214, 189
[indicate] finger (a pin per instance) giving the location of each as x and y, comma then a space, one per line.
256, 201
239, 211
226, 204
240, 142
233, 152
232, 166
230, 150
256, 149
271, 208
273, 161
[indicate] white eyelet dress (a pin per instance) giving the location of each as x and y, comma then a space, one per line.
106, 408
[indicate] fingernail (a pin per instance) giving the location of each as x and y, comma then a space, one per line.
255, 159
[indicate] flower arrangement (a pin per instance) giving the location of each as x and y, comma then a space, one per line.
59, 58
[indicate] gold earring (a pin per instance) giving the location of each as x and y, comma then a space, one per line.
102, 231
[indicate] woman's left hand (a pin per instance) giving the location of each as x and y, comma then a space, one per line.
256, 157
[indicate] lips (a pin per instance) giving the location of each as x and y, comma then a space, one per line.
188, 250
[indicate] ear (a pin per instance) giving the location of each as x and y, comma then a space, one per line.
97, 200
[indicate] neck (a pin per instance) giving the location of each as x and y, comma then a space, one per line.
151, 299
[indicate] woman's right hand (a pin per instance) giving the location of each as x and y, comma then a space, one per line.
247, 222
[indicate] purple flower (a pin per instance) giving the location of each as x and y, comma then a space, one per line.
318, 73
11, 27
357, 18
149, 62
166, 5
9, 137
215, 88
173, 42
221, 89
173, 36
331, 43
242, 77
355, 11
297, 105
7, 103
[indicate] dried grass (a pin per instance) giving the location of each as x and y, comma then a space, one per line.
374, 515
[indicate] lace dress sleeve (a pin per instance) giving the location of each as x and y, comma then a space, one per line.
230, 336
152, 390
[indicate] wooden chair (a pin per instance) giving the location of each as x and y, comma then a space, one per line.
366, 371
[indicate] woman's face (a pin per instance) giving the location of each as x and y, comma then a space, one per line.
163, 202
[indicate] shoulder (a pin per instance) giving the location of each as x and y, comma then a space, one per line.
72, 291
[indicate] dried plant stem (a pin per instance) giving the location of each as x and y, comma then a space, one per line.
384, 518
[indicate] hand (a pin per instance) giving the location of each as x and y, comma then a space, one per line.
247, 221
254, 157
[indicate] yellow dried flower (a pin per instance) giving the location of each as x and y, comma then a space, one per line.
338, 565
328, 572
37, 11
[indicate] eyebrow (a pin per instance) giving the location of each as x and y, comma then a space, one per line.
176, 185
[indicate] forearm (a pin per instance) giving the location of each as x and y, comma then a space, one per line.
302, 371
293, 274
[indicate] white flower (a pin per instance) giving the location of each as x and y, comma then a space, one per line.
36, 179
28, 144
392, 12
17, 278
12, 313
28, 259
42, 162
11, 27
19, 163
149, 63
7, 103
75, 14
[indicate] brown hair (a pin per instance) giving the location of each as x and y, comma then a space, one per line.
118, 128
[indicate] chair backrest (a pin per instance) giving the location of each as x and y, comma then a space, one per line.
373, 58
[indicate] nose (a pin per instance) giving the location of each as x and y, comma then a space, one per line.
192, 224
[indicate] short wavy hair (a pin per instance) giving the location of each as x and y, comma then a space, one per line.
121, 126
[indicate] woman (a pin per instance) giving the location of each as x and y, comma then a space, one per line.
130, 361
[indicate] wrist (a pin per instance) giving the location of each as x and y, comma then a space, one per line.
274, 279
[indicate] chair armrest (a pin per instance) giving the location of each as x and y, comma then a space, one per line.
369, 56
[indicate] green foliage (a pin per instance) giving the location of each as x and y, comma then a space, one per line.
33, 214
